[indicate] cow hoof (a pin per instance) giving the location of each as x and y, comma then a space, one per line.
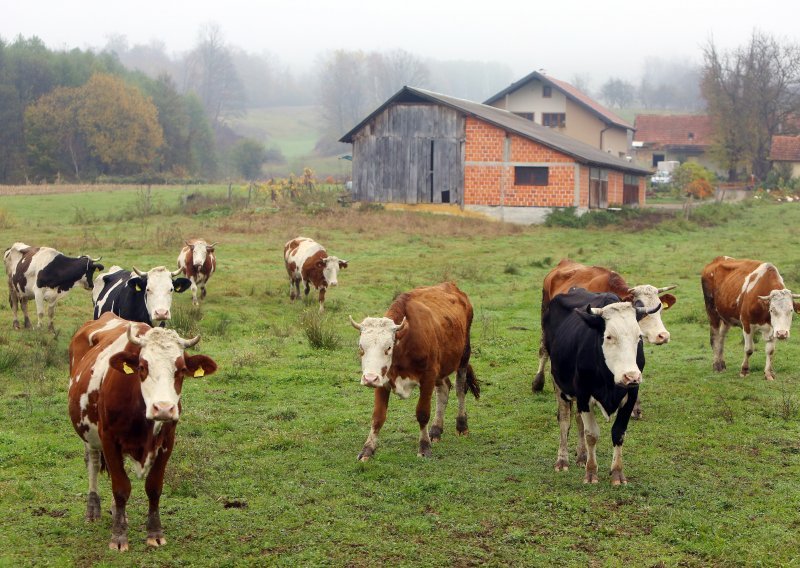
538, 383
744, 372
424, 452
435, 433
562, 465
636, 414
617, 478
769, 377
580, 460
461, 425
16, 325
365, 454
591, 477
119, 543
156, 541
93, 507
719, 366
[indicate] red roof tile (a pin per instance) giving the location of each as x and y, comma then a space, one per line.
673, 129
588, 101
785, 149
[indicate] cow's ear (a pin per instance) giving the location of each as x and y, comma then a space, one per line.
99, 267
125, 362
667, 301
136, 283
592, 320
321, 263
342, 264
181, 284
200, 365
796, 306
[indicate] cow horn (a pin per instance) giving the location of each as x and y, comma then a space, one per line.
665, 288
139, 272
403, 325
596, 311
175, 273
132, 338
96, 259
766, 298
188, 245
212, 245
354, 324
645, 312
795, 296
186, 343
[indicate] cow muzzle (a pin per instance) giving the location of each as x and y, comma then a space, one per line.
165, 412
662, 338
333, 284
631, 378
160, 315
782, 334
371, 380
197, 267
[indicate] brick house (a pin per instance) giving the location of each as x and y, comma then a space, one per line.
679, 137
786, 150
424, 147
557, 104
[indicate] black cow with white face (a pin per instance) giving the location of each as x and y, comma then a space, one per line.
137, 296
595, 347
44, 275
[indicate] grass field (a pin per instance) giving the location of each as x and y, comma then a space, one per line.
264, 470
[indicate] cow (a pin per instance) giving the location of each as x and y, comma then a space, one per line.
307, 262
749, 294
597, 358
44, 275
421, 340
124, 399
198, 261
137, 296
570, 274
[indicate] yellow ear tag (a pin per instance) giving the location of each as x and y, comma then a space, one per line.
199, 372
664, 305
127, 369
138, 288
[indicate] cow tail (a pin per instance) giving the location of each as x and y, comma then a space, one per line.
473, 384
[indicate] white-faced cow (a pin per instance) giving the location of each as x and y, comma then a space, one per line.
124, 399
307, 262
137, 296
570, 274
422, 339
198, 261
749, 294
44, 275
596, 354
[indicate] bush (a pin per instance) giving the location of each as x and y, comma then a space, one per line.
318, 332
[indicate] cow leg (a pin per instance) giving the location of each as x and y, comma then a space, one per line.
580, 452
13, 302
321, 300
423, 416
93, 467
564, 411
718, 333
378, 418
748, 350
153, 486
618, 430
38, 297
592, 435
442, 396
27, 320
308, 287
195, 301
462, 426
538, 380
769, 350
51, 312
121, 488
203, 291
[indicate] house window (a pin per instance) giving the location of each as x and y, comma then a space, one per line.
528, 115
657, 158
531, 175
547, 91
598, 188
554, 119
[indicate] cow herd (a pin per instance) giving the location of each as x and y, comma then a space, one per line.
126, 376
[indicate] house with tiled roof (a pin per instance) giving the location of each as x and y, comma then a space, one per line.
556, 104
668, 137
786, 150
424, 147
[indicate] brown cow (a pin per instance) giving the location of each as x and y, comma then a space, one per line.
198, 261
124, 399
570, 274
749, 294
308, 262
423, 338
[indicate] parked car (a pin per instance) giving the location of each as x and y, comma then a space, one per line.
660, 178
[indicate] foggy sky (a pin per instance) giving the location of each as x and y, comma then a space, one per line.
596, 39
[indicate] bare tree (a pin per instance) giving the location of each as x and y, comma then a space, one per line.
393, 70
618, 93
672, 84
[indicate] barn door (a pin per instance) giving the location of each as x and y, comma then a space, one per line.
443, 164
598, 188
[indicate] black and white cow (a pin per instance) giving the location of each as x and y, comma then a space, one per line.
137, 296
44, 275
596, 354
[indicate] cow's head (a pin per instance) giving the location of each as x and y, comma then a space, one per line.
92, 266
780, 304
200, 251
376, 345
619, 325
158, 360
647, 297
330, 266
157, 286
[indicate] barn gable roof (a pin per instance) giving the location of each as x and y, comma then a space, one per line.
510, 122
785, 149
571, 92
676, 130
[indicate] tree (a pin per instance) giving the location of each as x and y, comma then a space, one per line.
672, 84
247, 157
752, 92
618, 93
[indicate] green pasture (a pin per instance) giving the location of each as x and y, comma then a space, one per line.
264, 470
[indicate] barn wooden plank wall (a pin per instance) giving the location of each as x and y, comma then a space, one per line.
392, 155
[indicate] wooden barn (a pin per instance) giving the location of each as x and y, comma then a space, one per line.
424, 147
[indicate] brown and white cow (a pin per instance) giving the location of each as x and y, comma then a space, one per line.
124, 399
570, 274
198, 262
422, 339
308, 262
749, 294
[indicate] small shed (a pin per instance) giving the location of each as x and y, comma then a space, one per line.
425, 147
786, 150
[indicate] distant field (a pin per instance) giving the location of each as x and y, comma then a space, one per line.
264, 470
